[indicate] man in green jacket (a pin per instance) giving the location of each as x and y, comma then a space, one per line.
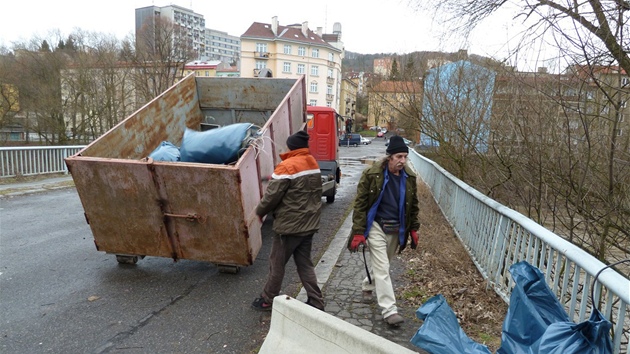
385, 215
294, 197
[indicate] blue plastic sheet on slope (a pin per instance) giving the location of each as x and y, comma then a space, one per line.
533, 307
440, 333
536, 323
222, 145
165, 152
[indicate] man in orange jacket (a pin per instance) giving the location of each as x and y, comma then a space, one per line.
294, 197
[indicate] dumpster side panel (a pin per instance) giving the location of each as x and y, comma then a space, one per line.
204, 212
164, 118
121, 205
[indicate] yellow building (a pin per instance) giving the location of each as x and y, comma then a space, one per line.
387, 99
269, 49
348, 99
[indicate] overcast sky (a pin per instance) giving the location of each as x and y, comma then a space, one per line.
368, 26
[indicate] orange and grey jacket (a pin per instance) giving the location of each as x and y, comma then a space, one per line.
294, 194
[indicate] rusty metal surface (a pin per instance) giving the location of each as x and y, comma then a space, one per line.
185, 210
164, 118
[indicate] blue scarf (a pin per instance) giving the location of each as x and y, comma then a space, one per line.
401, 207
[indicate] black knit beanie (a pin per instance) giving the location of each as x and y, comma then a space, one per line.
396, 145
298, 140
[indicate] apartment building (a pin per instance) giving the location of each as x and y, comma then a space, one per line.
546, 108
292, 51
206, 68
222, 46
189, 32
389, 101
348, 99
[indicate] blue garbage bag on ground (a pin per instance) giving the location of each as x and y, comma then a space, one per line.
441, 333
533, 307
536, 322
166, 151
222, 145
588, 337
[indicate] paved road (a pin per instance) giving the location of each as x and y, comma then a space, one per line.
58, 294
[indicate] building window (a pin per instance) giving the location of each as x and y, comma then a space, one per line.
301, 51
619, 132
315, 53
625, 81
329, 90
207, 73
261, 64
261, 47
330, 73
331, 56
286, 67
287, 49
301, 69
312, 103
313, 86
328, 104
314, 70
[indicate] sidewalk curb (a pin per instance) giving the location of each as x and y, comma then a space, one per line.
325, 266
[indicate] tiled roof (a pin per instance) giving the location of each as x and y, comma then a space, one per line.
292, 33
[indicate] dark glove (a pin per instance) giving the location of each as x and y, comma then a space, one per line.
357, 240
414, 239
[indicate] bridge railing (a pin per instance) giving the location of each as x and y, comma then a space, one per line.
496, 237
35, 160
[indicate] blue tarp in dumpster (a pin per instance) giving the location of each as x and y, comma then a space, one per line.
222, 145
440, 333
536, 323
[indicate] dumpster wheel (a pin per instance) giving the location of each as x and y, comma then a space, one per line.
230, 269
128, 259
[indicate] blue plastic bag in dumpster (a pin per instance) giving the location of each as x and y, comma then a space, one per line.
533, 307
165, 152
589, 337
440, 333
222, 145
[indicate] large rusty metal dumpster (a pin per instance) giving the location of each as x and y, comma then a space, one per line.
137, 207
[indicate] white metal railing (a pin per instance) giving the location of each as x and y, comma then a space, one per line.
30, 160
496, 237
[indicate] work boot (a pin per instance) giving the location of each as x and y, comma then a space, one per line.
394, 320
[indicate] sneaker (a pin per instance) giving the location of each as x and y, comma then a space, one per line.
366, 296
261, 305
394, 320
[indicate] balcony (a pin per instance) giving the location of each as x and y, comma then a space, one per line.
329, 97
261, 55
331, 64
330, 80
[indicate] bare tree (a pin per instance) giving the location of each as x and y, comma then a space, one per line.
162, 50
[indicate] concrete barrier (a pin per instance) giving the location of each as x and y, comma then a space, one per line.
299, 328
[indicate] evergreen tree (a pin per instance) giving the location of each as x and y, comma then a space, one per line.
394, 75
44, 47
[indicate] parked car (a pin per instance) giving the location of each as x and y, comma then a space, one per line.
380, 134
365, 140
351, 139
384, 130
376, 128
